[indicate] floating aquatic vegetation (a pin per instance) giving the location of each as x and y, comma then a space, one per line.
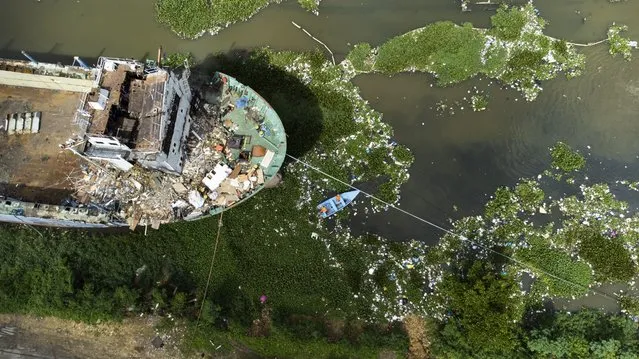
178, 59
605, 251
590, 238
630, 305
191, 19
543, 259
565, 159
619, 44
387, 277
361, 57
356, 145
514, 51
310, 5
479, 102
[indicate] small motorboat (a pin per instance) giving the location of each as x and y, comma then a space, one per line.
336, 203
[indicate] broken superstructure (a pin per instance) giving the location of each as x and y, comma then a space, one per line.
148, 147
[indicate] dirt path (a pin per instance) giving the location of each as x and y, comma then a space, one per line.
25, 337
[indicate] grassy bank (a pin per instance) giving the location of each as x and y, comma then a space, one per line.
312, 293
274, 245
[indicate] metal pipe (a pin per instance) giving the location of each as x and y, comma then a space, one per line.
29, 57
82, 64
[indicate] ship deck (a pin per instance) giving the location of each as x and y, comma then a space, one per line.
33, 167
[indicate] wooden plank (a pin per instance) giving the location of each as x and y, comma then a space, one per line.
236, 171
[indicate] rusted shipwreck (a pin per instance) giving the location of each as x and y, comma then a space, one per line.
127, 143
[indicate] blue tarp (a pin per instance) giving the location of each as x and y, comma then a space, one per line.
241, 102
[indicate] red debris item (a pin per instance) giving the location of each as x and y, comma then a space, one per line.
219, 148
263, 299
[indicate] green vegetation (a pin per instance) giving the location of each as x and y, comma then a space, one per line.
585, 334
479, 102
88, 277
629, 304
485, 311
443, 48
590, 236
192, 18
310, 5
178, 59
359, 143
361, 57
609, 258
619, 44
508, 24
564, 158
514, 51
541, 257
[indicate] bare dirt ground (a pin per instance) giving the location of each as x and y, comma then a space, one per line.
26, 337
32, 166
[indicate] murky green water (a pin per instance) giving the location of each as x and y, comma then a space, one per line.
460, 157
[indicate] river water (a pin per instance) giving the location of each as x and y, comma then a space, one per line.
461, 156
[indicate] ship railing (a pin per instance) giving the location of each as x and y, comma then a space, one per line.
98, 76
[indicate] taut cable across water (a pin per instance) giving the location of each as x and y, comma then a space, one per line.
520, 263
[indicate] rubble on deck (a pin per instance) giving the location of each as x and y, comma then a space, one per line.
143, 197
212, 176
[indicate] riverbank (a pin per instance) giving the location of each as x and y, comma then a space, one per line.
49, 337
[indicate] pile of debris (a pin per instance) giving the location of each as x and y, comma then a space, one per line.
212, 177
137, 196
215, 177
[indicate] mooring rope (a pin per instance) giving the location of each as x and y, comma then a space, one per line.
208, 281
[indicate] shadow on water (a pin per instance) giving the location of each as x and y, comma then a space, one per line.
55, 48
294, 102
145, 56
8, 44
